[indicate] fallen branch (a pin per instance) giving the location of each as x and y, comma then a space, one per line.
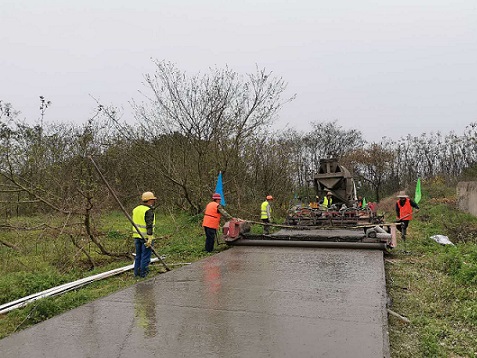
81, 249
38, 227
10, 245
398, 316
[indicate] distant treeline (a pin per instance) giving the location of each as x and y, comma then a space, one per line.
188, 130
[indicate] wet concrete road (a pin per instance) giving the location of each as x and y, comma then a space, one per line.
244, 302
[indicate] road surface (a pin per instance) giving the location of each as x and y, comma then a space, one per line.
243, 302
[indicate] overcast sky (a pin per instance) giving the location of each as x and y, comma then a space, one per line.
387, 68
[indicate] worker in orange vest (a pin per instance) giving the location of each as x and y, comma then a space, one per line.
213, 213
404, 207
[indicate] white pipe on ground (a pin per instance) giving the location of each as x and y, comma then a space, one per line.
10, 306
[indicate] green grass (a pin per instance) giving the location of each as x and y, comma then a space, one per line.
434, 285
46, 259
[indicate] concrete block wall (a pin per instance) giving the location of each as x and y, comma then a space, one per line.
467, 196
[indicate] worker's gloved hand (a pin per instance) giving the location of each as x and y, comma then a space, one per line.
149, 241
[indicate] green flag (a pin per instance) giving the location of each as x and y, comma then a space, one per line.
364, 203
417, 195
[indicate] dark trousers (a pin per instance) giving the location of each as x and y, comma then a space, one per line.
404, 225
266, 228
142, 259
210, 235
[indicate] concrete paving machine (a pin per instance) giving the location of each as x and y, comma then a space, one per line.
368, 236
343, 223
344, 209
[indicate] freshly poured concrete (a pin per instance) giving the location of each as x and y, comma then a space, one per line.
244, 302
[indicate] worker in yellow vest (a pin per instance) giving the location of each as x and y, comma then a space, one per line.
328, 200
144, 218
266, 214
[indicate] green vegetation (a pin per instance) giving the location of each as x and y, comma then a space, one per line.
43, 262
57, 225
434, 285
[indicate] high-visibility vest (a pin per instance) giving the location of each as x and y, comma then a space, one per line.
211, 216
263, 210
327, 203
405, 211
139, 218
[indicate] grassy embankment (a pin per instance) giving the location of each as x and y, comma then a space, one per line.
42, 260
434, 286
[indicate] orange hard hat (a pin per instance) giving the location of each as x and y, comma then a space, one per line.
269, 197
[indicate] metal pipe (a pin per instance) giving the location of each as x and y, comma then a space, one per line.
324, 244
125, 212
271, 224
380, 229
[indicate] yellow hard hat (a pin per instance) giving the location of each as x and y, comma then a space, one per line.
147, 195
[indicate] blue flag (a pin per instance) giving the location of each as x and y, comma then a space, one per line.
219, 189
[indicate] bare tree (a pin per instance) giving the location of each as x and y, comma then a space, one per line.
372, 165
195, 126
329, 140
49, 172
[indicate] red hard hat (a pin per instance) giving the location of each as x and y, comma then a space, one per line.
269, 197
216, 196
